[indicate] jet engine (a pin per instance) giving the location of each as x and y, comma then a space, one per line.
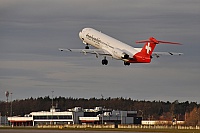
117, 53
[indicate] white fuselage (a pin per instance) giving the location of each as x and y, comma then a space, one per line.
108, 46
102, 41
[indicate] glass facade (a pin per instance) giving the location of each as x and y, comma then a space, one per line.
52, 117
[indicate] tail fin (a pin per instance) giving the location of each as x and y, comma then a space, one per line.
148, 48
144, 56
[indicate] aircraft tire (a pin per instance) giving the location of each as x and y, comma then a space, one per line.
126, 63
87, 47
104, 62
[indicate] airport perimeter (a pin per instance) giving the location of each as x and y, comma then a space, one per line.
120, 126
100, 128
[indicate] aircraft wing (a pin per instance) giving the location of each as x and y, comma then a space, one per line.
97, 52
158, 54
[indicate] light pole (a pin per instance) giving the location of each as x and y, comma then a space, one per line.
11, 107
11, 104
52, 109
6, 115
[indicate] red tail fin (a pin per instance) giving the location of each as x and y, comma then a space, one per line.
144, 56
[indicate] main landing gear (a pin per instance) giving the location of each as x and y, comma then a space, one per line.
126, 63
104, 61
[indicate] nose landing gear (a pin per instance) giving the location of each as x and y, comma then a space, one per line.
87, 47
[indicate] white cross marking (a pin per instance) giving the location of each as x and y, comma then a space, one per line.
148, 48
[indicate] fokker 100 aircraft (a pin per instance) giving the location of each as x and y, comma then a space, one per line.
108, 46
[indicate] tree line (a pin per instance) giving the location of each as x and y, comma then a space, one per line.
149, 110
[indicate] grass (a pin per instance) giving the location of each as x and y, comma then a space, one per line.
111, 129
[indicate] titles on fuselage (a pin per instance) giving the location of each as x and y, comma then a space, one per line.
97, 41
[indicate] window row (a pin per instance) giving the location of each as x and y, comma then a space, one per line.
53, 117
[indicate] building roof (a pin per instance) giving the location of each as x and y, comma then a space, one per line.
20, 119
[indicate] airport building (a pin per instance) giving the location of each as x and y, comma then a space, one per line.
77, 115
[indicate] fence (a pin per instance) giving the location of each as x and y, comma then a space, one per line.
77, 126
120, 126
158, 127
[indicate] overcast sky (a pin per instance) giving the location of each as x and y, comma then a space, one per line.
31, 31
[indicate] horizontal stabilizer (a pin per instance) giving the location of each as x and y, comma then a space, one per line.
158, 54
153, 40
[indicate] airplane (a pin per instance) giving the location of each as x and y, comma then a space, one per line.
108, 46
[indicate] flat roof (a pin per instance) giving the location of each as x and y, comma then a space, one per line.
50, 113
20, 119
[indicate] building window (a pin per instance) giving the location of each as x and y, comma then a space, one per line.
53, 117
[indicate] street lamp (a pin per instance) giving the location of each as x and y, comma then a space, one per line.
11, 107
11, 104
7, 95
6, 115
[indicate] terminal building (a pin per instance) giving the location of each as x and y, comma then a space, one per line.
77, 115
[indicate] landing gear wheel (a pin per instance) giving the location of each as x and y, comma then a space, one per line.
87, 47
105, 61
126, 63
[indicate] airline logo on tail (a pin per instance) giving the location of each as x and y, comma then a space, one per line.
148, 48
